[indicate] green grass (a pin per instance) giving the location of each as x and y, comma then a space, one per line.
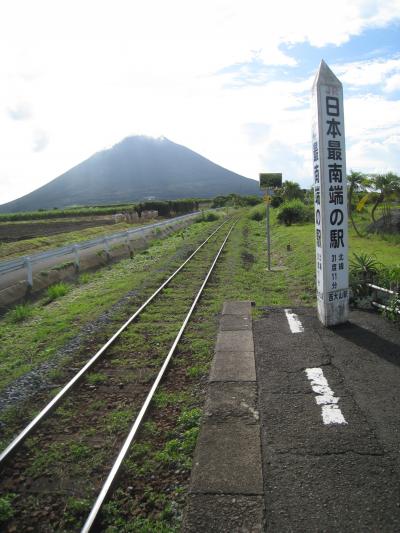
56, 291
21, 312
96, 378
177, 453
363, 220
76, 510
163, 399
6, 509
10, 250
84, 278
190, 418
119, 421
49, 325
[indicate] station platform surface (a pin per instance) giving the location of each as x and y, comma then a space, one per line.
310, 441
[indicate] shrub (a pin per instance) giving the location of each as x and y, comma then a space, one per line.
207, 217
363, 269
257, 213
167, 208
389, 277
276, 201
294, 211
56, 291
210, 217
236, 200
393, 311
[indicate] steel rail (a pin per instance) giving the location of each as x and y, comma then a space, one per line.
121, 456
53, 403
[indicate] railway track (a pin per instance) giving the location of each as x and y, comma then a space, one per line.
78, 451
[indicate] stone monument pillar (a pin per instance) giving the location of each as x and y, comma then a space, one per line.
330, 197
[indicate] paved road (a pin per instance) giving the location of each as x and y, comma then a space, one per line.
329, 403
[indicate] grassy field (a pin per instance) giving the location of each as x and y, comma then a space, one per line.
240, 274
11, 250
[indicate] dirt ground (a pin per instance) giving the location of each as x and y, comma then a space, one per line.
10, 232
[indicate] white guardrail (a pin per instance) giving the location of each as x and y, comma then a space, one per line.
27, 262
385, 291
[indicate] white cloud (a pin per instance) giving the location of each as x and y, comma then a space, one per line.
40, 140
281, 157
371, 117
256, 131
371, 72
392, 83
20, 111
374, 156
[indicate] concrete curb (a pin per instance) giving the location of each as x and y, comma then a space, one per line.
226, 489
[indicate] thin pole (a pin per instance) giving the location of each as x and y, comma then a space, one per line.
268, 235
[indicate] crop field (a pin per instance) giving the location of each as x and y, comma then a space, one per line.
46, 241
22, 230
51, 337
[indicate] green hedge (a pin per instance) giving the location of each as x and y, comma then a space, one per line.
294, 211
164, 208
236, 200
43, 214
168, 208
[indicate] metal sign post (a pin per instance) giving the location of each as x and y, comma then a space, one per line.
269, 182
330, 198
267, 199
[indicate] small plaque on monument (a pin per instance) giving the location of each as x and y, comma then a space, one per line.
330, 197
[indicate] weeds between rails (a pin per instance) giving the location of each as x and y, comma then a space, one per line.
72, 435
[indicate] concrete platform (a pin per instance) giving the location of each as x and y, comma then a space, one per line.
233, 366
226, 491
312, 444
224, 514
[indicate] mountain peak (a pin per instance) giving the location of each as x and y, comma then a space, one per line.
137, 167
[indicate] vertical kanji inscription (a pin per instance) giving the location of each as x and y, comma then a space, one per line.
330, 197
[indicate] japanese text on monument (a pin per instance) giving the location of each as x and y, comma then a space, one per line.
330, 195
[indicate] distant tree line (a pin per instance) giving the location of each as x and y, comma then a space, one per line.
169, 207
42, 214
165, 208
235, 200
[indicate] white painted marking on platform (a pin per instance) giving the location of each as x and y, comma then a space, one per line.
331, 414
294, 322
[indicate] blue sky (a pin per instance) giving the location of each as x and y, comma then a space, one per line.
230, 79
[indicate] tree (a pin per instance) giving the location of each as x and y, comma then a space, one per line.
357, 182
386, 186
291, 190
